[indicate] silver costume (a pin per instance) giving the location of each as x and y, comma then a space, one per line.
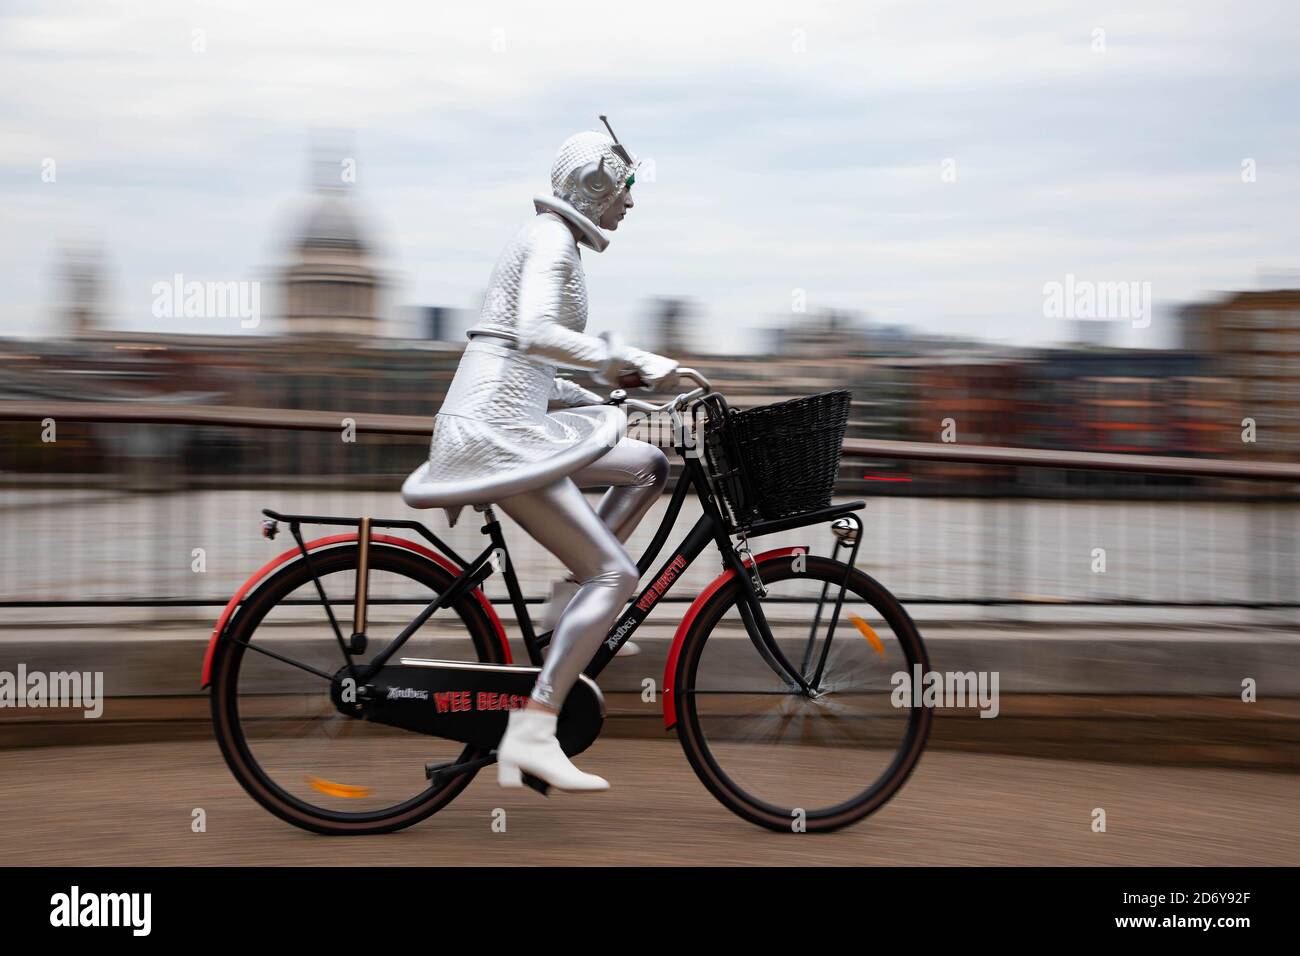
495, 439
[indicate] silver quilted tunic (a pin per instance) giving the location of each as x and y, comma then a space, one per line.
494, 436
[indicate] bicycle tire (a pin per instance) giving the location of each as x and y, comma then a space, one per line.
693, 739
224, 691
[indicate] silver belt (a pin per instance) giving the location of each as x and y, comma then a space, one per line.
494, 340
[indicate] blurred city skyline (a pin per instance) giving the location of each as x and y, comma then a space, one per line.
932, 168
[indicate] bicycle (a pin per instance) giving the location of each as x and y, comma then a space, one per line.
329, 734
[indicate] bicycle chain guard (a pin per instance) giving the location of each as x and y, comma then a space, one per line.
466, 701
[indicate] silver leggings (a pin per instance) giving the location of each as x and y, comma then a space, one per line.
589, 543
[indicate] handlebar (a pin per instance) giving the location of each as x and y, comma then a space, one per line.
620, 397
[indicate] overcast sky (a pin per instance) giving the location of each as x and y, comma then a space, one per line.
796, 146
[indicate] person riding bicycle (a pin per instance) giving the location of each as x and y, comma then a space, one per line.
513, 433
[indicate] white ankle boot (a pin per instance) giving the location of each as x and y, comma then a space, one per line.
562, 593
529, 746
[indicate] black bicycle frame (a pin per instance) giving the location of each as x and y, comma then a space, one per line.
710, 527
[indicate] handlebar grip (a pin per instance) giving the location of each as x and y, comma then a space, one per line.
631, 379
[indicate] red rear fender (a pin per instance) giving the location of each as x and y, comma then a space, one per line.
266, 569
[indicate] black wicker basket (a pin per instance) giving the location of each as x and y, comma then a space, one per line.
778, 460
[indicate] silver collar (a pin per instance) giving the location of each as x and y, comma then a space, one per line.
591, 234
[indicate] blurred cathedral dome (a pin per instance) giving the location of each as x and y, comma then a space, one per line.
331, 224
331, 286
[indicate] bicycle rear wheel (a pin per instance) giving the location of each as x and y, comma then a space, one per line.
288, 745
769, 752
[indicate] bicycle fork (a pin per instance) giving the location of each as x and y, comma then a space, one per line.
848, 534
751, 612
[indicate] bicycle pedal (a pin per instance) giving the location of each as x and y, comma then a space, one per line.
537, 783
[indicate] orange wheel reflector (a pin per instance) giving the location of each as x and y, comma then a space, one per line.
330, 788
865, 630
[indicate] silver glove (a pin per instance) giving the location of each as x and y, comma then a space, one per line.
656, 371
570, 394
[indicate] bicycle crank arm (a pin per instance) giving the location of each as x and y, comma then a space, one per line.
440, 772
537, 783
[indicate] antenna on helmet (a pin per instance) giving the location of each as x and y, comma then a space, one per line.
618, 147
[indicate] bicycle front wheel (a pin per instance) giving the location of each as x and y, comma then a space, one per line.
775, 755
288, 745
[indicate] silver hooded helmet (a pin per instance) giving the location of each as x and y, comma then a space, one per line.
591, 171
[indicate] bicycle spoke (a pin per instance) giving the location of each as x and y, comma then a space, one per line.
792, 692
287, 660
291, 735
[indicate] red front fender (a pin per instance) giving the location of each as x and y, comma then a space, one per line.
670, 666
270, 566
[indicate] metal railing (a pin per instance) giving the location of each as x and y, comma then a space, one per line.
103, 545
